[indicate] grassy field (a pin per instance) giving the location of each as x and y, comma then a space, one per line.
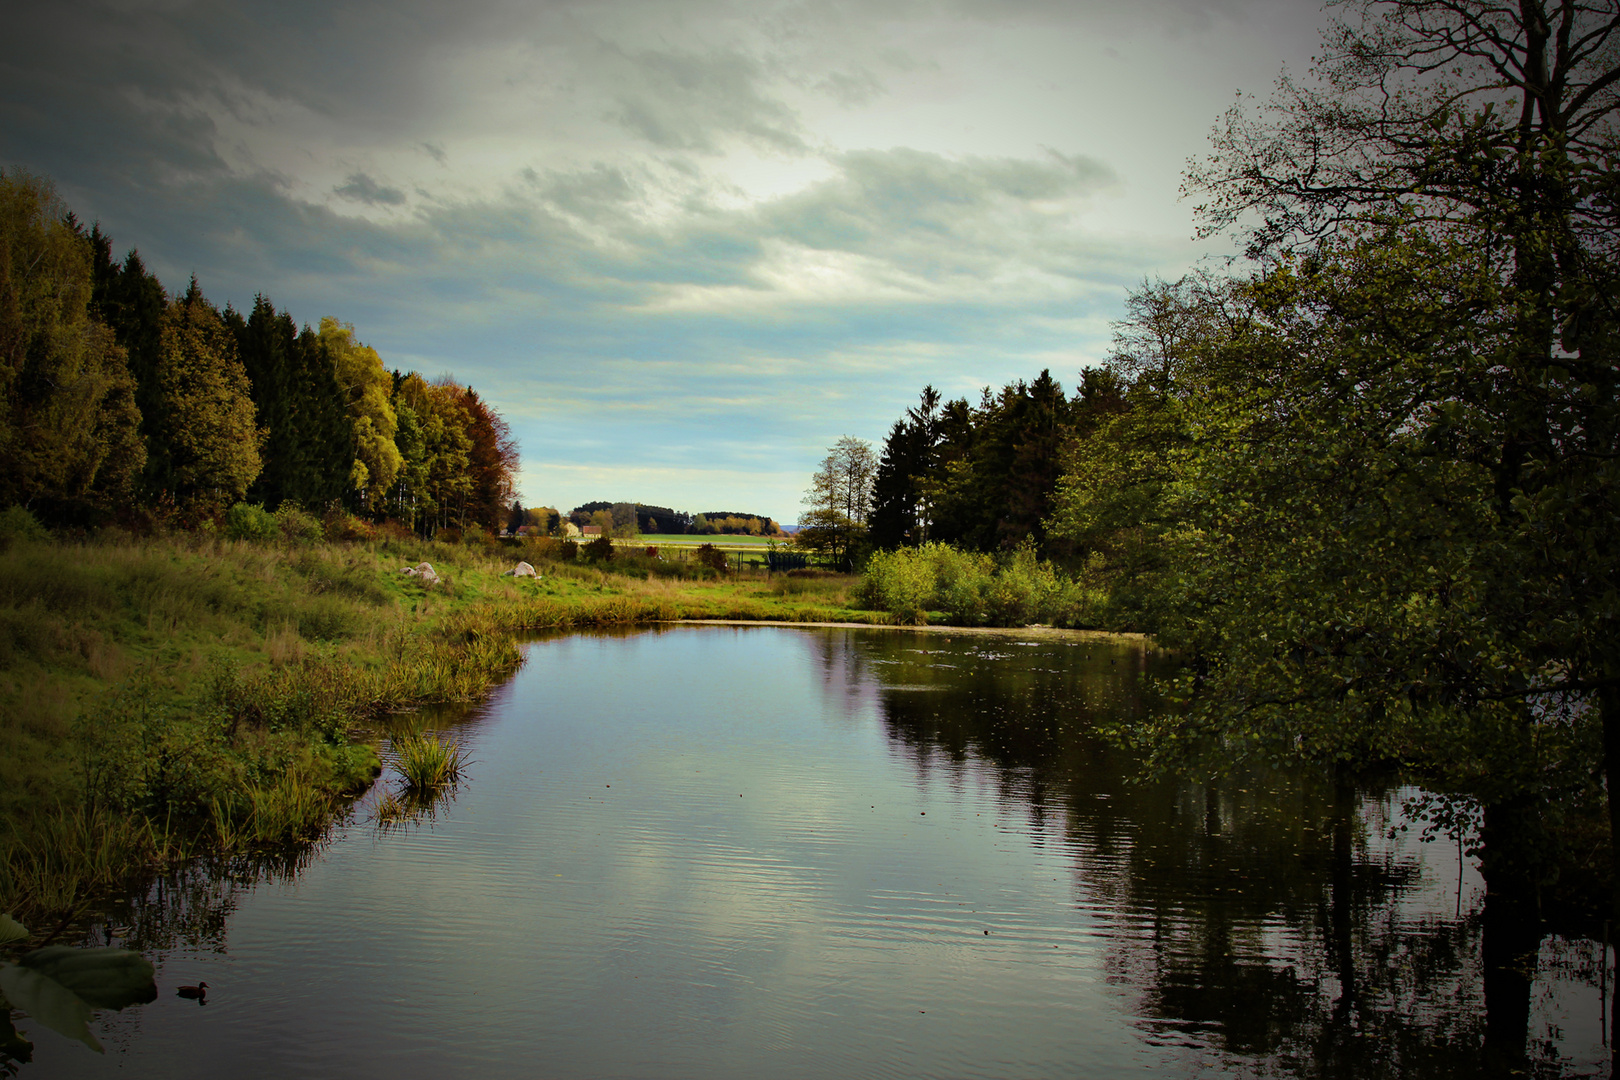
166, 697
759, 544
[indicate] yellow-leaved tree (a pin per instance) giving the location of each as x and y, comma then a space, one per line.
366, 387
207, 416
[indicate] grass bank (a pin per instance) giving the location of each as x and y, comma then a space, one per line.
170, 696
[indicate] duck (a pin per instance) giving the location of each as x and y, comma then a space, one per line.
199, 991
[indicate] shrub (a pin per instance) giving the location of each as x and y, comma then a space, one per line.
250, 522
342, 525
296, 525
712, 557
568, 551
447, 535
902, 582
599, 550
16, 523
972, 589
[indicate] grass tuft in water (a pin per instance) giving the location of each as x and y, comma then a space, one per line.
427, 763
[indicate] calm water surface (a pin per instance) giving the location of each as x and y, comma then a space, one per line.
742, 852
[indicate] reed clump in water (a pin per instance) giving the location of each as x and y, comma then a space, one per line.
427, 763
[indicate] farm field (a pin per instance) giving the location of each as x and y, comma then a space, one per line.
693, 540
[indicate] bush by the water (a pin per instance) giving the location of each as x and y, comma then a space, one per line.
970, 588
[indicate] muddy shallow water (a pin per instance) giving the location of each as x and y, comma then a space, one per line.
723, 851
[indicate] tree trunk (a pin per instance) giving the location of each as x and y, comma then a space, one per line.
1512, 930
1609, 714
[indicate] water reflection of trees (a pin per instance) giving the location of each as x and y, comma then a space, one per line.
1264, 917
190, 905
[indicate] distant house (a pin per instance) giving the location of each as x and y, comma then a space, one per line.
570, 530
592, 531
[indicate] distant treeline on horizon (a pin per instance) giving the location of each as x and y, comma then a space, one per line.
662, 519
122, 402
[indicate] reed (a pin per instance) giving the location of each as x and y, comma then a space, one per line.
428, 764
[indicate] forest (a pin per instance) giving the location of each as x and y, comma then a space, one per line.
123, 403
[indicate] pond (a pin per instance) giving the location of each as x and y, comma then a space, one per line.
742, 852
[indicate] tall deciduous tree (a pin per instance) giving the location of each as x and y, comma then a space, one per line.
206, 414
1417, 467
68, 419
840, 500
434, 482
365, 388
492, 462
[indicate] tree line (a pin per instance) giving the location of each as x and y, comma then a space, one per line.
632, 519
122, 402
980, 477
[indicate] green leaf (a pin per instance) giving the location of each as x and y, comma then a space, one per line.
59, 985
11, 930
49, 1002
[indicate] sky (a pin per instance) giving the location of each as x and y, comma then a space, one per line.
682, 246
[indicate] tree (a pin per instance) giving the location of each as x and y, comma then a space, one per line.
902, 487
365, 387
1400, 482
207, 415
433, 443
840, 500
131, 301
624, 520
309, 442
492, 461
68, 419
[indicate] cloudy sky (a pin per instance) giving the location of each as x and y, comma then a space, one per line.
682, 245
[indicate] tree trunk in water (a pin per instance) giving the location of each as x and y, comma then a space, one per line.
1341, 903
1609, 714
1512, 930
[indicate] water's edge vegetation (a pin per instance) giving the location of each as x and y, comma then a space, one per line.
185, 694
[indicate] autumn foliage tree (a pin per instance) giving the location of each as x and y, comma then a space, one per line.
206, 413
68, 420
118, 399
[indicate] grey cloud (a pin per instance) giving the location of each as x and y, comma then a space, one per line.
851, 88
687, 101
591, 193
435, 151
362, 188
884, 200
